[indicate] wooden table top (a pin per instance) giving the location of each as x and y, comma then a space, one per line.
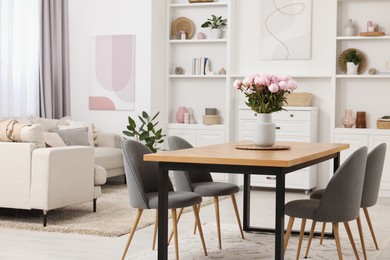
228, 154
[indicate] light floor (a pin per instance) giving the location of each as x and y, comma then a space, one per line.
44, 245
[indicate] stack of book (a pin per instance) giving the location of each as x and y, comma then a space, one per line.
200, 66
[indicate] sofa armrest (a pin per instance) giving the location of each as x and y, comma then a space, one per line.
109, 140
62, 176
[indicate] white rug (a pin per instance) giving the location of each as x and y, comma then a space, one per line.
259, 246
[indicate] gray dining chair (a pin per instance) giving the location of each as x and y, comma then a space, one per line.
142, 185
340, 202
202, 183
372, 181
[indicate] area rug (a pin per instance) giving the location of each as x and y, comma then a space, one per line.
114, 216
258, 246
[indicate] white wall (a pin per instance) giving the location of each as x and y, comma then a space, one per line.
247, 34
146, 20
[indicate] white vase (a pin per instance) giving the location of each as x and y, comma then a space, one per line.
264, 130
352, 69
216, 33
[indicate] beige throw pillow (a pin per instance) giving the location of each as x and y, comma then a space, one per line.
53, 139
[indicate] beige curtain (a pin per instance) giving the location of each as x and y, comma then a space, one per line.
54, 89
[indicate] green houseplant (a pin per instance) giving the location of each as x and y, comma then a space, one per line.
147, 132
216, 24
352, 60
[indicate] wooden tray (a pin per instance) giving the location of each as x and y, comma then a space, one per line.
255, 147
372, 33
383, 124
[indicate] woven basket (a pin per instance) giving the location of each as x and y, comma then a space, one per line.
382, 124
302, 99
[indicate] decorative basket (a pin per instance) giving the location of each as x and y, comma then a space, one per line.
302, 99
380, 124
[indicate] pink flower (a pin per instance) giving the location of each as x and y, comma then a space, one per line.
273, 88
283, 85
249, 80
292, 84
237, 84
262, 79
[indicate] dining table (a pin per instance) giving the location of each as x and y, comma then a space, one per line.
242, 157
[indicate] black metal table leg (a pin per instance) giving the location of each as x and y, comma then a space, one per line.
279, 216
163, 214
246, 204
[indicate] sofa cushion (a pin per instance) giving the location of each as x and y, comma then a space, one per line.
13, 131
108, 157
48, 124
53, 139
71, 124
76, 136
32, 134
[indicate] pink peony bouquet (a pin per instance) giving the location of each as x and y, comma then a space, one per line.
265, 93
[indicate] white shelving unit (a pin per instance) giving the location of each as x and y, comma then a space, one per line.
363, 92
197, 92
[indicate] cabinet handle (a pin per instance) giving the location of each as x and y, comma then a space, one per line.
272, 178
277, 127
291, 115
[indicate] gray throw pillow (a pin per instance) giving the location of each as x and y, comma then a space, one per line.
74, 136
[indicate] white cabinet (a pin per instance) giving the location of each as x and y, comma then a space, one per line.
297, 124
201, 135
370, 138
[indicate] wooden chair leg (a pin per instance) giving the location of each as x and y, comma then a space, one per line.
198, 207
365, 210
233, 197
313, 226
178, 218
322, 232
216, 204
288, 232
348, 229
359, 224
174, 228
335, 226
197, 219
155, 231
302, 231
134, 227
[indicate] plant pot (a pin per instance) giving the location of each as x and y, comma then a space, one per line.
264, 131
352, 69
216, 33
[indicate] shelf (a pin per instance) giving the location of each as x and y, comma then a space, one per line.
196, 126
364, 76
207, 4
292, 75
342, 130
198, 41
198, 76
364, 38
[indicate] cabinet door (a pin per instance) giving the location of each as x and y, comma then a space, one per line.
188, 135
209, 137
355, 141
375, 140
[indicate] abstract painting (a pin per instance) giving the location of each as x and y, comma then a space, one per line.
112, 72
285, 29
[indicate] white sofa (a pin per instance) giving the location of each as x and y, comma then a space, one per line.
33, 176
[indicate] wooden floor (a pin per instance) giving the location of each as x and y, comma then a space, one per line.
44, 245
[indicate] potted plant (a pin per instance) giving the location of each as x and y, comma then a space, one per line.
216, 24
352, 60
146, 132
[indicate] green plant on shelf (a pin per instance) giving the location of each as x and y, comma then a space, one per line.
215, 22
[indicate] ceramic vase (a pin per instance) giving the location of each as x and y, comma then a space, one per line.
180, 114
360, 119
264, 130
352, 69
348, 120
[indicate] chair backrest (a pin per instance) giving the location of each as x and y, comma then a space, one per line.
141, 176
342, 197
372, 178
184, 179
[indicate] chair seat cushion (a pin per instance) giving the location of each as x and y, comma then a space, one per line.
302, 208
108, 157
176, 199
317, 194
211, 189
